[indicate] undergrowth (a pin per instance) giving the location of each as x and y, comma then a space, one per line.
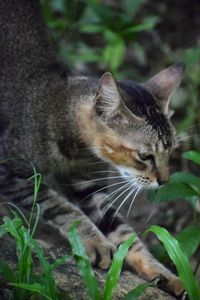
24, 282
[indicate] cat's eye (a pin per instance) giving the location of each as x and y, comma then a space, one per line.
144, 156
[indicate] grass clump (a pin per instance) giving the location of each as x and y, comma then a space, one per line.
24, 282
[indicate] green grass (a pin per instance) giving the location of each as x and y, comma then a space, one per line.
24, 281
180, 260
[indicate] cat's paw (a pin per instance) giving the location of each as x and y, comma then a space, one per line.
171, 284
100, 251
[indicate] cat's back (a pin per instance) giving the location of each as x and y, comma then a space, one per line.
25, 53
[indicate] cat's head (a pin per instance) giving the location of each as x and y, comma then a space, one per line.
134, 132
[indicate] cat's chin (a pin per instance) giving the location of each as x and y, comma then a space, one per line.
153, 185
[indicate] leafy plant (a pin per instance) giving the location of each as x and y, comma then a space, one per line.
113, 26
181, 185
25, 281
180, 260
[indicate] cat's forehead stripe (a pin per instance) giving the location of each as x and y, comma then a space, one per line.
141, 103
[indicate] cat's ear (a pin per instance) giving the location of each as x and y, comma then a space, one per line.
107, 100
163, 84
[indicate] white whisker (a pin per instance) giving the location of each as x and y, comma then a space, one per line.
116, 191
103, 188
127, 196
187, 137
109, 206
155, 204
93, 180
132, 201
189, 129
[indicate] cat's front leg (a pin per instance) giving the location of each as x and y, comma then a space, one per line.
138, 258
59, 212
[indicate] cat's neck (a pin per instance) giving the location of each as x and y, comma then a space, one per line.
72, 126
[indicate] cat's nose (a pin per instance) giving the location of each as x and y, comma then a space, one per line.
162, 176
161, 181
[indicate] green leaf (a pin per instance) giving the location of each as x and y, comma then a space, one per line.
192, 155
35, 287
172, 191
179, 259
103, 12
12, 226
137, 291
187, 178
115, 269
113, 53
148, 24
189, 239
83, 263
92, 28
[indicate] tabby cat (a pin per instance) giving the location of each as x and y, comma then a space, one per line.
72, 128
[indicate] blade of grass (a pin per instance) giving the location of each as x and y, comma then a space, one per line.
60, 261
116, 267
137, 291
36, 220
35, 287
180, 260
37, 182
83, 263
18, 210
49, 279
